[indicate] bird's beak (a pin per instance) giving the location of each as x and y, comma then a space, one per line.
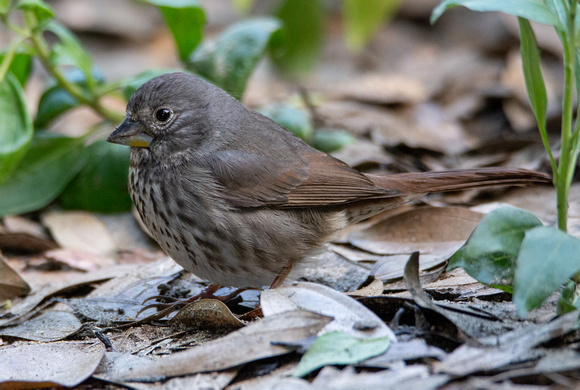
130, 133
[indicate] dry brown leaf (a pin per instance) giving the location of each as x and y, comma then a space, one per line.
409, 377
206, 314
79, 230
50, 326
19, 233
349, 315
259, 340
22, 306
11, 283
506, 348
79, 260
383, 88
431, 230
375, 288
422, 126
64, 363
115, 363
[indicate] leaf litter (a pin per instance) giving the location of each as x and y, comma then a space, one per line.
428, 107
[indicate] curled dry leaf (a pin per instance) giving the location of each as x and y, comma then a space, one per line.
206, 314
18, 233
349, 315
472, 323
64, 363
11, 283
509, 347
259, 340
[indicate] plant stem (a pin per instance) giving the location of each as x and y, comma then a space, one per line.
565, 170
43, 53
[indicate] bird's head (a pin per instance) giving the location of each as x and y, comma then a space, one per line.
168, 115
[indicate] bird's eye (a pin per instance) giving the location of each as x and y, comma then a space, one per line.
163, 114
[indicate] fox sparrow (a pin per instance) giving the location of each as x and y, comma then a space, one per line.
237, 199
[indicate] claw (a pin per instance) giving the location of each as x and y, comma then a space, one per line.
173, 304
160, 297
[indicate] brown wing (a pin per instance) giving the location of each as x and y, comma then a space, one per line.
312, 180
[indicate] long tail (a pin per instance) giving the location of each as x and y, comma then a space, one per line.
461, 179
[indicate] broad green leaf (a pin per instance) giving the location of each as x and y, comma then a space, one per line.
303, 23
48, 166
293, 119
331, 140
56, 100
229, 61
547, 259
18, 60
339, 348
534, 10
532, 72
15, 127
363, 18
558, 8
101, 186
69, 51
41, 10
129, 86
53, 102
185, 19
490, 253
21, 66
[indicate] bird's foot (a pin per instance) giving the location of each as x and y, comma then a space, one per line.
173, 304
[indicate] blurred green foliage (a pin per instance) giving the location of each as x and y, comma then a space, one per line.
36, 168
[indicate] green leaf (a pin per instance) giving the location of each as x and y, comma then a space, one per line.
56, 100
547, 259
41, 10
363, 18
185, 19
4, 6
490, 253
568, 300
532, 72
101, 186
47, 167
229, 61
69, 51
53, 102
339, 348
303, 28
293, 119
21, 66
331, 140
534, 10
15, 127
243, 6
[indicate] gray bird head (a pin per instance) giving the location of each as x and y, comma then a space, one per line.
171, 114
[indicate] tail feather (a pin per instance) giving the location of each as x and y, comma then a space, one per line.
454, 180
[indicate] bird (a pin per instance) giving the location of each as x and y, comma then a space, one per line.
238, 200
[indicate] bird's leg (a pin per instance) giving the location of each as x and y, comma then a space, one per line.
176, 304
281, 277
